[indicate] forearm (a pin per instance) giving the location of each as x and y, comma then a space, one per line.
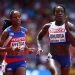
3, 49
39, 42
70, 28
71, 35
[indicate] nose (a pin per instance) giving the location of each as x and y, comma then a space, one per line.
17, 18
60, 13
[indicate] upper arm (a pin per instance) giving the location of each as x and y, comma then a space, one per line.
71, 27
71, 33
3, 38
43, 31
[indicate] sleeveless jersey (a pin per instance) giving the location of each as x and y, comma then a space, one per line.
57, 34
15, 39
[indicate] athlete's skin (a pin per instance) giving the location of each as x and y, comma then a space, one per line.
15, 18
58, 49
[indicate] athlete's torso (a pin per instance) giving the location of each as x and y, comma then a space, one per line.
15, 39
59, 43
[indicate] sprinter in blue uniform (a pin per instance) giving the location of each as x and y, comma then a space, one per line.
14, 38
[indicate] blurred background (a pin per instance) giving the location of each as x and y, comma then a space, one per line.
36, 13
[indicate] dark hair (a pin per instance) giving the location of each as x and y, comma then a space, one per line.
11, 12
56, 8
6, 23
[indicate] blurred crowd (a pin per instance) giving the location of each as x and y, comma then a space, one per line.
36, 13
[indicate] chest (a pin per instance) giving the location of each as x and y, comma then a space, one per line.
57, 34
16, 40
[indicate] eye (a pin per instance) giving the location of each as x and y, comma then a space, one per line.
19, 16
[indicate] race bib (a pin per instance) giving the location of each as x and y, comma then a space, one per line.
57, 34
57, 37
18, 43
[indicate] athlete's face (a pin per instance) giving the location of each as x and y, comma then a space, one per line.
16, 18
59, 13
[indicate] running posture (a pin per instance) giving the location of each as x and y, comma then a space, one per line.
13, 41
61, 36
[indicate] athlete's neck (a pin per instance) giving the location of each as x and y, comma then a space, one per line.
16, 29
59, 23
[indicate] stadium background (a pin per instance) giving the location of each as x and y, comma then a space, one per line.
35, 13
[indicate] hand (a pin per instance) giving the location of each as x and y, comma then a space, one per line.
13, 51
17, 51
30, 50
39, 52
9, 50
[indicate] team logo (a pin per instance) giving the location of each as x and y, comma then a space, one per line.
11, 34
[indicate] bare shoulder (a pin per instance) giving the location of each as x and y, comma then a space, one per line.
44, 29
71, 26
4, 34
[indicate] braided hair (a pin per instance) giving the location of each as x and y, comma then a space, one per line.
6, 23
